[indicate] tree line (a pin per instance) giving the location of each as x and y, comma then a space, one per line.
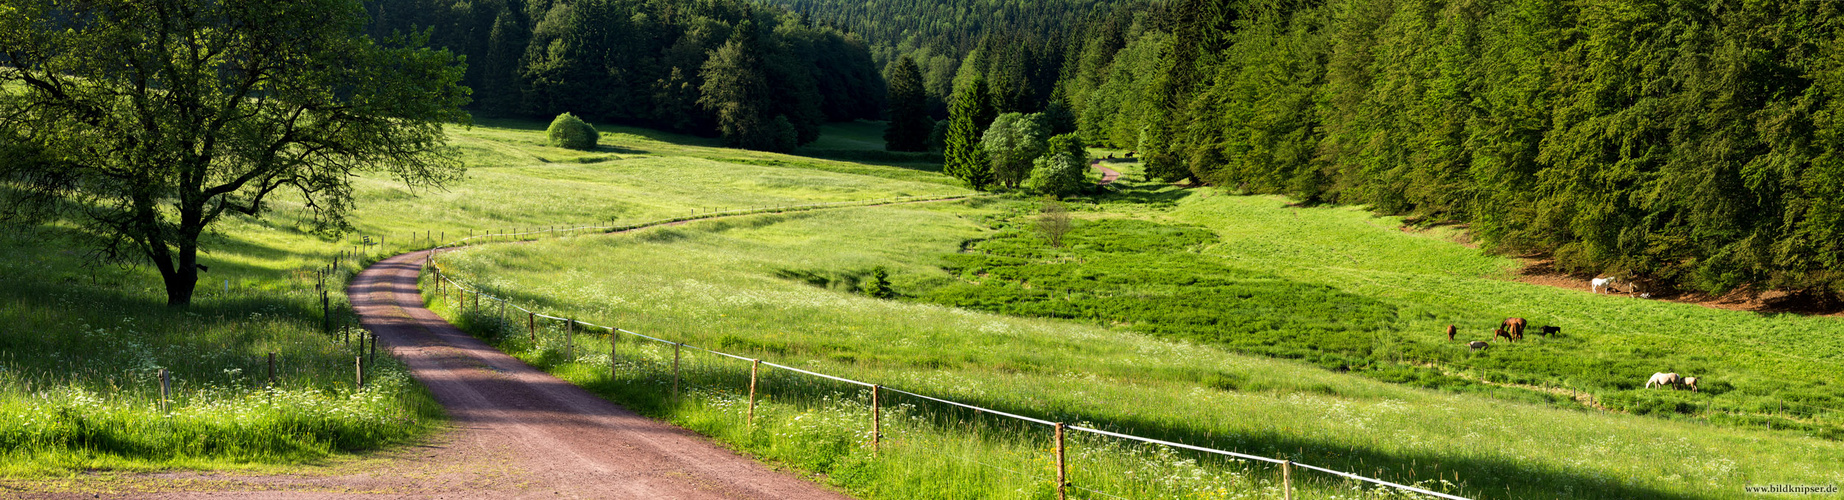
760, 77
1686, 145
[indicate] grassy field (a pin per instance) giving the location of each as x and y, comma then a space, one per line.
81, 344
783, 287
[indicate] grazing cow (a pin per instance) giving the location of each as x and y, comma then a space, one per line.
1450, 331
1515, 326
1691, 382
1549, 330
1478, 344
1664, 380
1601, 285
1502, 333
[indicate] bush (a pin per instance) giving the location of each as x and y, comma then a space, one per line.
568, 131
1062, 169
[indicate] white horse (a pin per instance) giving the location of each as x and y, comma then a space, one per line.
1598, 284
1691, 382
1664, 380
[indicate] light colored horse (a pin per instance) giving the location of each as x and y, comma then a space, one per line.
1598, 285
1691, 382
1664, 380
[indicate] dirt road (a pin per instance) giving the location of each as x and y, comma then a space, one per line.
519, 432
1108, 175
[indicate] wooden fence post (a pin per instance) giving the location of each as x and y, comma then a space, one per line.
1287, 479
358, 367
374, 348
569, 339
272, 369
325, 312
531, 325
166, 389
877, 418
613, 341
1062, 469
754, 366
675, 368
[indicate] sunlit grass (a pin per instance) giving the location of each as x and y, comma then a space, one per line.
80, 345
741, 286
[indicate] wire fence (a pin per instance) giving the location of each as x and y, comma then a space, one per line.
688, 375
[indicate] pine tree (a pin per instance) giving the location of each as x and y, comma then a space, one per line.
909, 123
965, 160
736, 88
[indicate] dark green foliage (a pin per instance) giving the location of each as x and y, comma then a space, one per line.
643, 61
746, 90
150, 122
1139, 274
964, 158
909, 122
1692, 144
878, 284
568, 131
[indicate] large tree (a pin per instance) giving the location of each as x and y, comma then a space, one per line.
148, 120
964, 159
1012, 143
909, 123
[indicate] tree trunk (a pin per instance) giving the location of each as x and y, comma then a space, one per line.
182, 279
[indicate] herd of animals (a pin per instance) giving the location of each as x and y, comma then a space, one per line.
1512, 330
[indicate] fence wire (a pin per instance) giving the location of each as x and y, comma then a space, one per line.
718, 372
705, 374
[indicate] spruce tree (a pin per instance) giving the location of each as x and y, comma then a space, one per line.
965, 160
909, 123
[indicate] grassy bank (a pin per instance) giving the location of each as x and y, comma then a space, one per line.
748, 286
80, 344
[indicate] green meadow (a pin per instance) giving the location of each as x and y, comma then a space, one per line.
1240, 323
1351, 371
82, 342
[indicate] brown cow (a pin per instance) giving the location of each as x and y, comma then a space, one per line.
1450, 331
1515, 326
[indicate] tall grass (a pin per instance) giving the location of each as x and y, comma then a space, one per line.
746, 286
79, 363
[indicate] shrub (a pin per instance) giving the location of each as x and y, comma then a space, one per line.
1062, 169
571, 132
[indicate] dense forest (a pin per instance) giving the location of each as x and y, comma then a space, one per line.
1689, 145
1684, 144
1694, 144
761, 77
1022, 39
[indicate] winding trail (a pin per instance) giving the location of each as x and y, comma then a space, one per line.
1108, 175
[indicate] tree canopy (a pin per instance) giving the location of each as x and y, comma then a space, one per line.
647, 62
909, 122
148, 121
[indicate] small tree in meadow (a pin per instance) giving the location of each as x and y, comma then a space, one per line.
568, 131
879, 285
1053, 222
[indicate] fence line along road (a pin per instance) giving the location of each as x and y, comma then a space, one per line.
443, 280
